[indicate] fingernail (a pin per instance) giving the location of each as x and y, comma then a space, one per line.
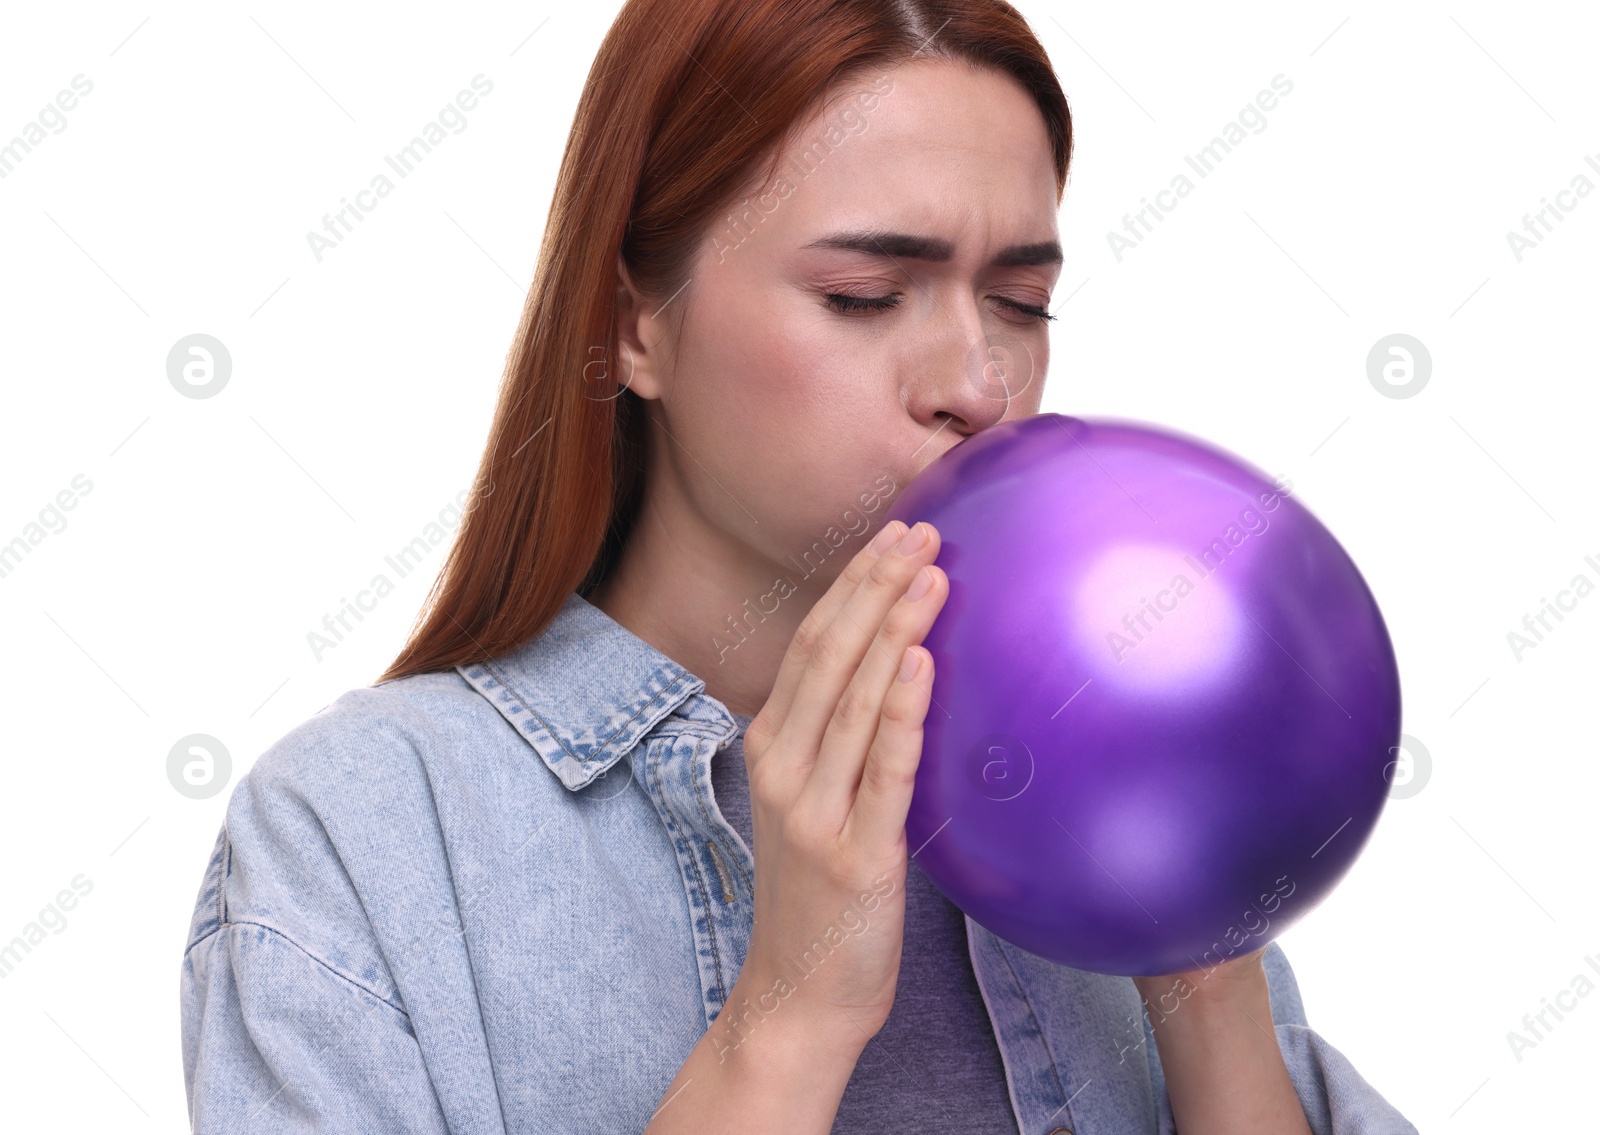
913, 539
886, 536
921, 585
910, 664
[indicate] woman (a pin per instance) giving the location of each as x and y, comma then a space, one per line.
511, 886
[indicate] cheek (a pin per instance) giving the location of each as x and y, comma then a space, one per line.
787, 379
799, 454
830, 405
782, 408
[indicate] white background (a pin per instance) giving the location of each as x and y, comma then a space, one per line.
220, 531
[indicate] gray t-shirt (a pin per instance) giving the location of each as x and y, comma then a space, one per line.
934, 1067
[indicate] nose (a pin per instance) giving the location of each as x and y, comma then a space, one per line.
967, 378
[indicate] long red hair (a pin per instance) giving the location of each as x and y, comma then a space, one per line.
684, 102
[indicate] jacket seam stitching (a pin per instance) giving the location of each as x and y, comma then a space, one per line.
995, 1026
528, 709
1033, 1020
522, 701
700, 799
224, 869
661, 695
651, 770
347, 979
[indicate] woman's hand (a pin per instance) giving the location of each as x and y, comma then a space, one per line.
1219, 1050
1220, 980
832, 758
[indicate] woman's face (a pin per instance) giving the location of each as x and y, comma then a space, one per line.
926, 195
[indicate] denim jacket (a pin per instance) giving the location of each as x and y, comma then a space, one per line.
502, 899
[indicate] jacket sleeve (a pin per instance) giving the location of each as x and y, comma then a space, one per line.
282, 1037
1336, 1098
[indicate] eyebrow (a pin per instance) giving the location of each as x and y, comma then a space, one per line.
905, 246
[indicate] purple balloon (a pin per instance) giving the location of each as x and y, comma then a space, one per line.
1165, 703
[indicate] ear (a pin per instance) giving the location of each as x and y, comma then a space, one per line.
641, 339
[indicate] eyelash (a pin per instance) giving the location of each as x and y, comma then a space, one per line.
845, 305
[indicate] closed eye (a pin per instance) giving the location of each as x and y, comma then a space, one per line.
846, 304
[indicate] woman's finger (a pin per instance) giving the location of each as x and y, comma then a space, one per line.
798, 656
841, 647
858, 714
878, 817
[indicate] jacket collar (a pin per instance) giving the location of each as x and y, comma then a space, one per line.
586, 690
